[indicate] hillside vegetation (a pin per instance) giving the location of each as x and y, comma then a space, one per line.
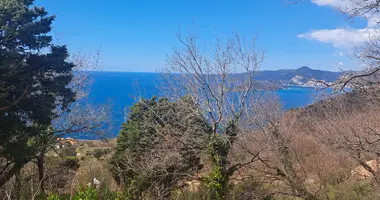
209, 135
328, 149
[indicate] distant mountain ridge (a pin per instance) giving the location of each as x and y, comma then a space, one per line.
305, 72
303, 77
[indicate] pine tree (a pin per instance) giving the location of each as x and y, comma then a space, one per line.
34, 79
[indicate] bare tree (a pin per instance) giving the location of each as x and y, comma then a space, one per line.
280, 148
352, 8
368, 53
221, 82
367, 9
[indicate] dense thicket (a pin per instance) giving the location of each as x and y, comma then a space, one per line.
159, 146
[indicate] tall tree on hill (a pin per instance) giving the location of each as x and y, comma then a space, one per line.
224, 99
34, 79
81, 117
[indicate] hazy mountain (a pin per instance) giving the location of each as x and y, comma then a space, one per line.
302, 76
305, 72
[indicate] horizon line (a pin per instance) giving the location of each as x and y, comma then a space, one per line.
105, 70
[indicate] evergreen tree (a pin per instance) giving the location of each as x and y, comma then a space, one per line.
159, 147
34, 79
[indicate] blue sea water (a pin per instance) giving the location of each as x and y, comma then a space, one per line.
121, 89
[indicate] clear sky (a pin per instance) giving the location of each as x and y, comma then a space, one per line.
137, 35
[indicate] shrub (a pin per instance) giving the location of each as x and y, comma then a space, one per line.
68, 151
70, 162
159, 146
99, 152
88, 193
54, 196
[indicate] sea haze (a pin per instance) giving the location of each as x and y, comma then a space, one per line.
122, 89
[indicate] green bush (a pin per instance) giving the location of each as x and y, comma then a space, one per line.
99, 152
54, 197
171, 129
68, 151
70, 162
88, 193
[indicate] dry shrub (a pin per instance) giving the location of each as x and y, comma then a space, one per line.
95, 168
99, 152
315, 148
59, 173
348, 124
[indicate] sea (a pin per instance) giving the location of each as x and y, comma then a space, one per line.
122, 89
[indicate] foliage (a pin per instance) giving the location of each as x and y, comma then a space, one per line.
99, 152
88, 193
54, 196
159, 146
83, 193
68, 151
70, 162
218, 149
34, 76
221, 80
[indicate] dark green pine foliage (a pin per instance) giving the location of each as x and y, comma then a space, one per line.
158, 129
34, 79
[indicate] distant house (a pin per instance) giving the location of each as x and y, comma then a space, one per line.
62, 142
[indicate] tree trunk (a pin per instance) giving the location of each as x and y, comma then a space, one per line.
220, 176
18, 185
41, 172
219, 179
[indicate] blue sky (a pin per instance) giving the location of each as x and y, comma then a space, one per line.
137, 35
